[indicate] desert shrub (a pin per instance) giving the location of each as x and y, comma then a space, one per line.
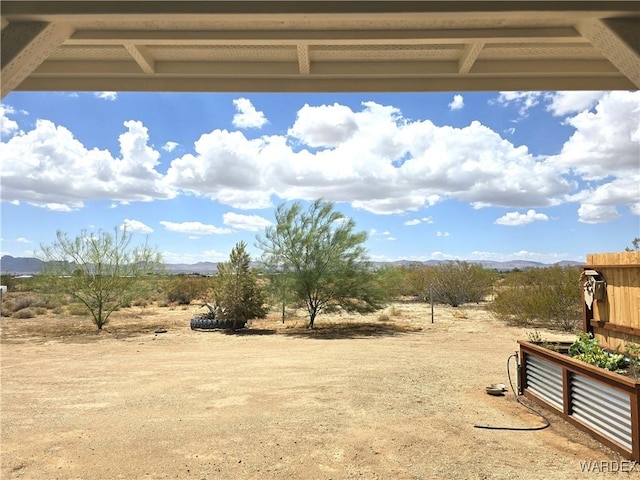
417, 280
24, 313
383, 317
452, 283
393, 280
140, 302
184, 289
8, 281
456, 283
77, 309
550, 297
15, 304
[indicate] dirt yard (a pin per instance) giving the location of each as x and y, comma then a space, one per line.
358, 397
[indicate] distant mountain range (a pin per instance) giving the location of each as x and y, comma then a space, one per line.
31, 266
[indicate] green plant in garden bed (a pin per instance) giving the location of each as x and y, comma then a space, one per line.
633, 352
587, 349
537, 338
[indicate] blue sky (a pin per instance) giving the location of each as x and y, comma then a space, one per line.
542, 176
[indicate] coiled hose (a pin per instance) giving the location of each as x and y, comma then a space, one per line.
522, 429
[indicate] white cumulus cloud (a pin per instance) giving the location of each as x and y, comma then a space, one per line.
7, 125
606, 141
590, 213
135, 226
604, 151
418, 221
324, 126
566, 102
516, 219
375, 160
195, 228
56, 171
111, 96
442, 234
170, 146
524, 101
247, 116
252, 223
457, 103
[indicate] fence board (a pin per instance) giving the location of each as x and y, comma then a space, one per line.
621, 307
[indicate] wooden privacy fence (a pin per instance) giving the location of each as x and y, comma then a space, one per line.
614, 319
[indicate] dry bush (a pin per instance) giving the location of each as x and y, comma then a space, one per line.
140, 302
19, 303
383, 317
395, 311
541, 297
183, 289
77, 309
24, 313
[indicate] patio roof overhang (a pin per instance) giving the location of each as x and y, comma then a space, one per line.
312, 46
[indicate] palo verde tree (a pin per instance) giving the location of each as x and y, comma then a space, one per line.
237, 290
102, 271
322, 258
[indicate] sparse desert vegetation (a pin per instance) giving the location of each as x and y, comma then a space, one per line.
381, 395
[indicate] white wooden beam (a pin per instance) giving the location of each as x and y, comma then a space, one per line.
617, 40
142, 57
261, 70
326, 37
311, 83
469, 57
304, 63
24, 46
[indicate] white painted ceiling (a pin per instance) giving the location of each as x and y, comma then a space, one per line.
292, 46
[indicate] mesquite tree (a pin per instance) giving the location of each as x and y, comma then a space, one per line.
323, 259
102, 271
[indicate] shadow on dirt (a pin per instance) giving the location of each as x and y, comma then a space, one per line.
248, 332
352, 330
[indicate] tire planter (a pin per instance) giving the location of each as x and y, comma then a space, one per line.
203, 323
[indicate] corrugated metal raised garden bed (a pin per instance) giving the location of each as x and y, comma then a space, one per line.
603, 403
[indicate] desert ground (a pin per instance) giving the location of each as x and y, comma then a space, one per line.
367, 397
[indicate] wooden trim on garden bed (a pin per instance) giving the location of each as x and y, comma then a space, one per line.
616, 380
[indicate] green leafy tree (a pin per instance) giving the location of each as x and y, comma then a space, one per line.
279, 289
102, 271
323, 259
635, 245
237, 290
